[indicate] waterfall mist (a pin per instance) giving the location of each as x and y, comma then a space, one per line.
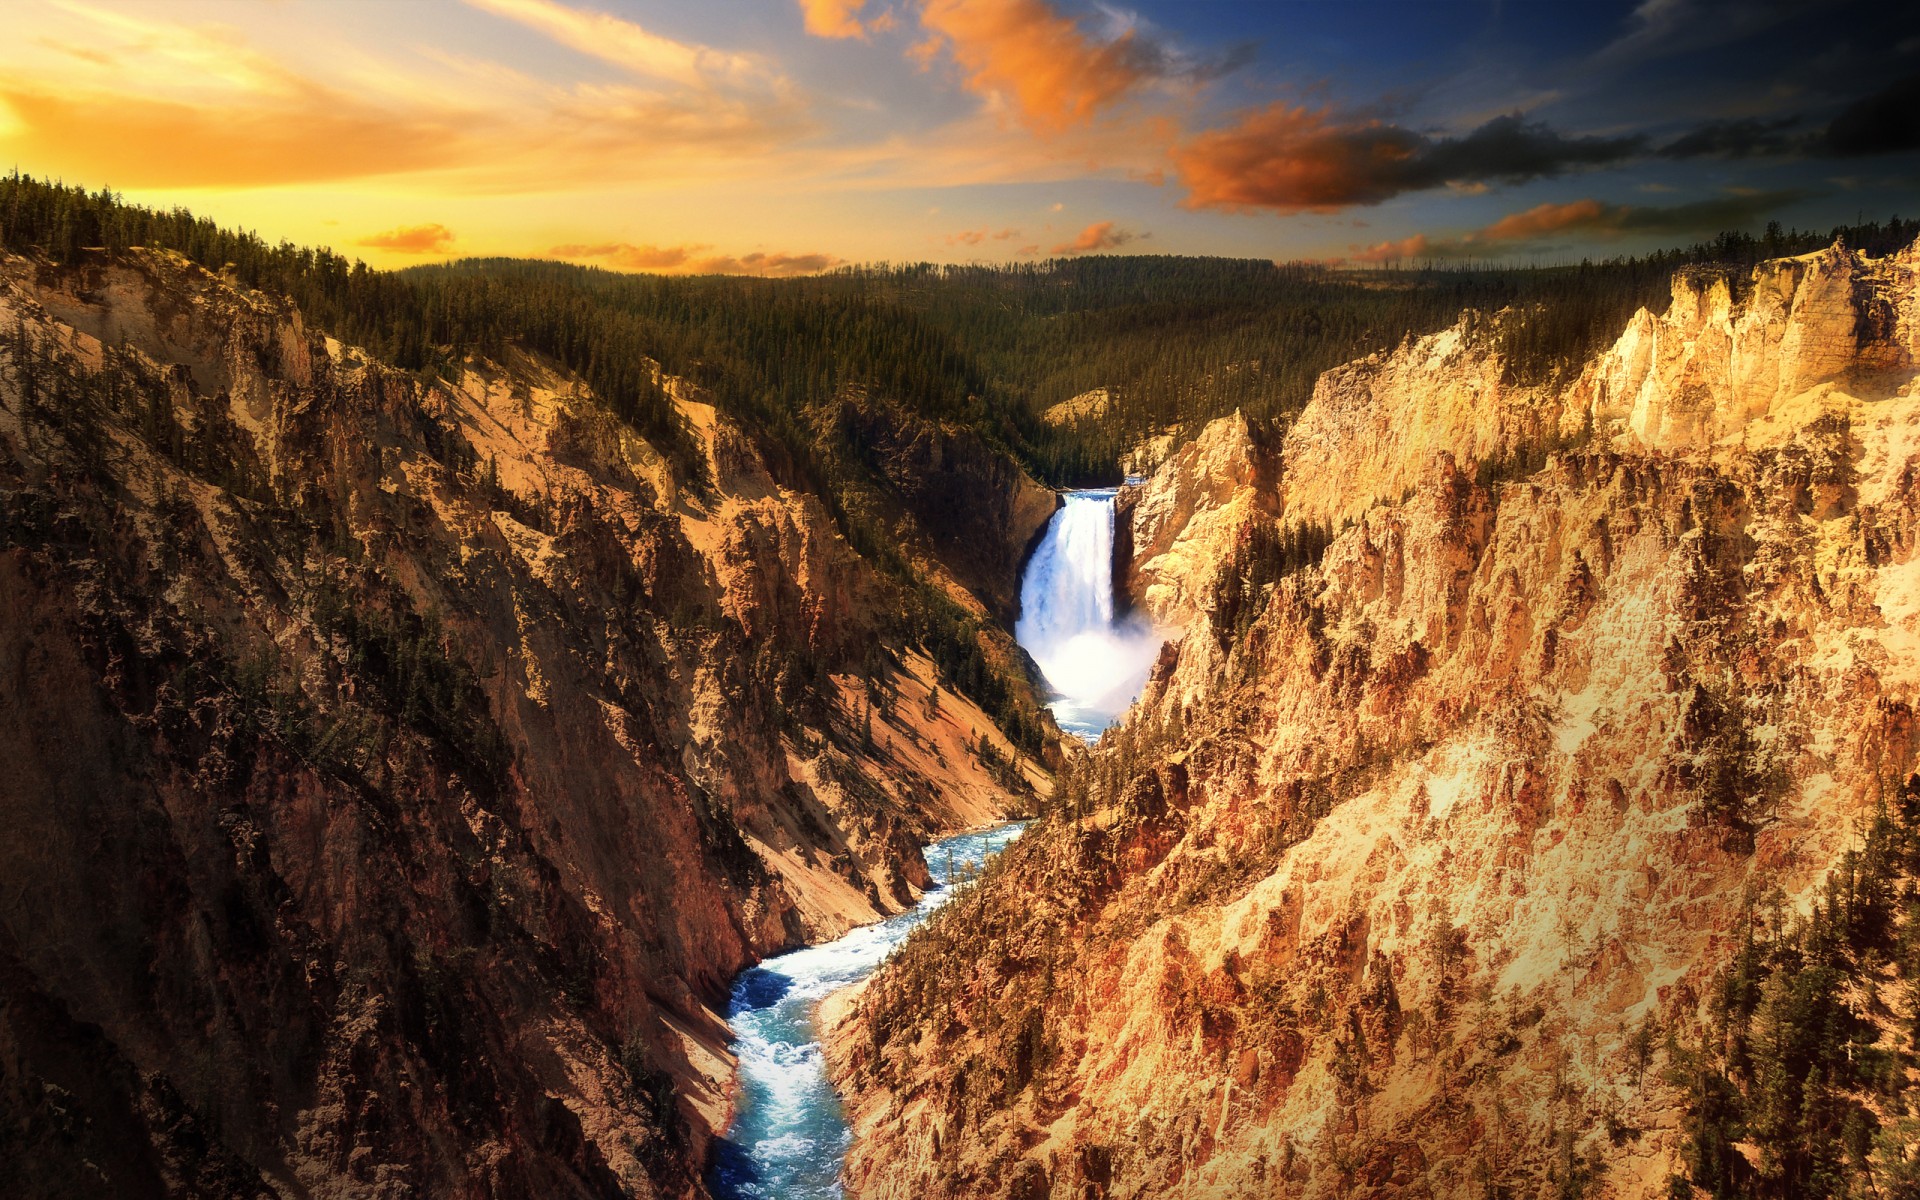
1094, 664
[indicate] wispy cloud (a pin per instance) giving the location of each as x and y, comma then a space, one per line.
976, 237
156, 103
1101, 235
692, 260
411, 239
630, 46
834, 18
312, 136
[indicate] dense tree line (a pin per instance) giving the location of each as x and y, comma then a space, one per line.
1263, 554
1174, 339
1802, 1081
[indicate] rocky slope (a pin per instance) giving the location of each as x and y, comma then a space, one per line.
1401, 888
398, 770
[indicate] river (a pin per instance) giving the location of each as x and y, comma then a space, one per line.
789, 1135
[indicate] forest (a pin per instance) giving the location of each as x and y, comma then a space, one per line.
1175, 340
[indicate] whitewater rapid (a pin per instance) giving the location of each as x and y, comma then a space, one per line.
789, 1134
1094, 663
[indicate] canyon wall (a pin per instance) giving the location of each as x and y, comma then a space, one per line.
399, 769
1417, 881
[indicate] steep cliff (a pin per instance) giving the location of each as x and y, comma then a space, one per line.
399, 768
964, 510
1179, 526
1421, 880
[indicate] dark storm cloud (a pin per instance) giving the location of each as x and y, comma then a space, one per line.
1887, 122
1510, 149
1289, 159
1746, 138
1538, 227
1702, 216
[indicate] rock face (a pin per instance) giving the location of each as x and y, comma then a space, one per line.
1383, 896
972, 514
1181, 524
397, 773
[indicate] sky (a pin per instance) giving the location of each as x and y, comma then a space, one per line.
780, 137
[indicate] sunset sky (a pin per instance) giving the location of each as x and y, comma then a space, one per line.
783, 136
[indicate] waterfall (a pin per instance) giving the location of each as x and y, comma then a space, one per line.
1094, 664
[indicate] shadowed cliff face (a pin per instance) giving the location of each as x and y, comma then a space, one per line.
397, 773
1398, 889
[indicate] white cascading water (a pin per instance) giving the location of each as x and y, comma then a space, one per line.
1094, 664
789, 1136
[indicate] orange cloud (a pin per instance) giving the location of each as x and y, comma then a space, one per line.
308, 137
771, 265
1590, 219
166, 103
1543, 219
1101, 235
834, 18
1292, 159
687, 260
1281, 157
411, 239
629, 257
1416, 246
1038, 60
975, 237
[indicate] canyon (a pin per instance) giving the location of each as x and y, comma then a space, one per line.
401, 766
412, 770
1503, 716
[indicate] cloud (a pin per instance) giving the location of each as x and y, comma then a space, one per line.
160, 104
834, 18
631, 47
772, 265
1591, 217
1887, 122
314, 136
1544, 219
1041, 63
1663, 28
975, 237
1743, 138
1101, 235
688, 260
411, 239
1406, 247
1292, 159
1587, 218
629, 257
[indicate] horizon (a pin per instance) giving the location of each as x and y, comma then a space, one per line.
789, 138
